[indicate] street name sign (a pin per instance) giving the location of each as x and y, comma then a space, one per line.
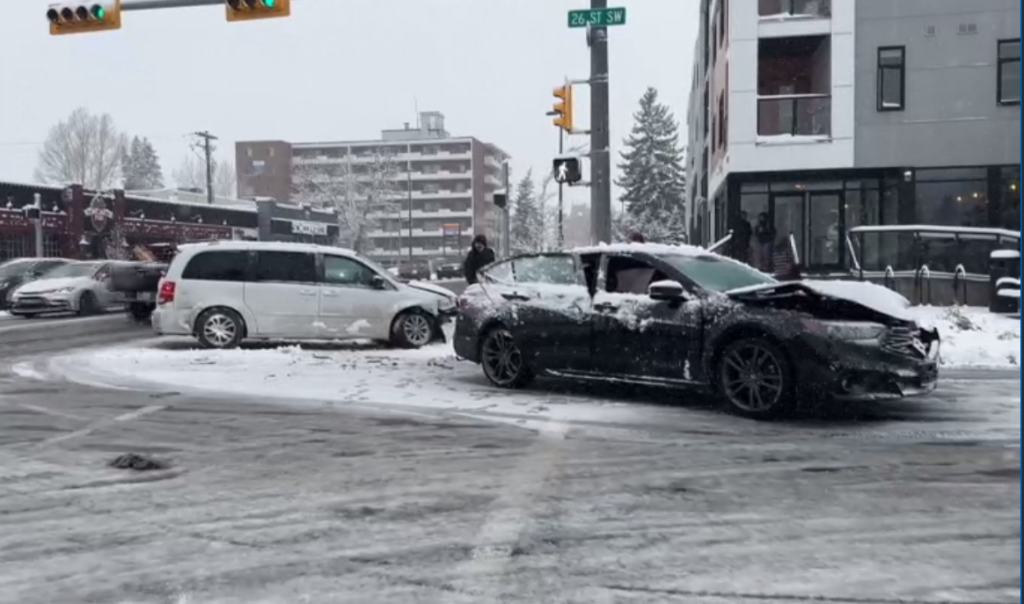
601, 17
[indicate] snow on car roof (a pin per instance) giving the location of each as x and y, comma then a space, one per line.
644, 248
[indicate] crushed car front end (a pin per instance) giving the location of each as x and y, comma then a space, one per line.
845, 350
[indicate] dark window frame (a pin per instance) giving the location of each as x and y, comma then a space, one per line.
186, 275
880, 78
255, 274
1000, 63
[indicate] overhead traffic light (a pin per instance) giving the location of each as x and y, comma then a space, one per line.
75, 18
249, 10
563, 108
567, 170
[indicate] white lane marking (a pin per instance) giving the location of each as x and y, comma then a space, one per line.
509, 514
127, 417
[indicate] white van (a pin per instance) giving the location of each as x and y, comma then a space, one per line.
223, 292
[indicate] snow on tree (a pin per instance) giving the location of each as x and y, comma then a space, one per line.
527, 228
362, 196
191, 174
653, 174
83, 149
140, 166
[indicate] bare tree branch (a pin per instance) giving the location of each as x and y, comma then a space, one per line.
82, 149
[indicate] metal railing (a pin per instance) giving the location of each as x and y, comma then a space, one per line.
795, 115
796, 8
923, 285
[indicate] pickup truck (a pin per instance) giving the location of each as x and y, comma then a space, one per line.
135, 285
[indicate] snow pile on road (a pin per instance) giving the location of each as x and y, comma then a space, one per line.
972, 336
349, 373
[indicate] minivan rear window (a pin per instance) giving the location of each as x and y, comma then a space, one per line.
217, 266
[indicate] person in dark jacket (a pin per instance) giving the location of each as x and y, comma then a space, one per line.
742, 232
764, 237
479, 256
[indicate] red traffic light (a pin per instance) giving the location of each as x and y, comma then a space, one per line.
53, 15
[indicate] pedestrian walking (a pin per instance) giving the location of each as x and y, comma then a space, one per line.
479, 256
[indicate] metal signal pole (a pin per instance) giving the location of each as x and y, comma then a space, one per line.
600, 159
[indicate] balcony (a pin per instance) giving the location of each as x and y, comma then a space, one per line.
794, 85
794, 9
793, 115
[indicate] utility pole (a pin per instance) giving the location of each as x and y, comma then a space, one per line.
600, 160
37, 202
208, 151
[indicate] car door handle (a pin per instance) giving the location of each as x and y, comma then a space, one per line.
515, 296
605, 306
307, 292
330, 293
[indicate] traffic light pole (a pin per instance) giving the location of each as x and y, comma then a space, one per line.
127, 5
208, 152
600, 158
561, 213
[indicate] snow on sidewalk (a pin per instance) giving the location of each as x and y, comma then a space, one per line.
972, 336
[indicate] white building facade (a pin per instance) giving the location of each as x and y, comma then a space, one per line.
797, 107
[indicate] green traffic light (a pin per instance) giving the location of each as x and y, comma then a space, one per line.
270, 3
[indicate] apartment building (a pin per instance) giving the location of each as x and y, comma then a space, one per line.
823, 115
442, 186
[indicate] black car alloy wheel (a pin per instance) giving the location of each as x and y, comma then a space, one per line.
754, 377
502, 360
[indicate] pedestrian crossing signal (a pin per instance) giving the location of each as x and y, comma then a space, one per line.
567, 170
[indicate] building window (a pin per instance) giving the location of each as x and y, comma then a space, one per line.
952, 197
1010, 206
1008, 86
891, 78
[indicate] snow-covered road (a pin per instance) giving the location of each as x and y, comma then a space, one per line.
406, 479
287, 502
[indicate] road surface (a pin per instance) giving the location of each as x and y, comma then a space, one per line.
272, 501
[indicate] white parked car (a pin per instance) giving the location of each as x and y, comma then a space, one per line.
79, 287
223, 292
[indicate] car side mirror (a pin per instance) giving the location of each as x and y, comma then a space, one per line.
377, 282
666, 290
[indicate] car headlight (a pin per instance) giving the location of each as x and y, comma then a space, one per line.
61, 290
853, 330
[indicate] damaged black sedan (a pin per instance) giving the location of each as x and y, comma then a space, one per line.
680, 316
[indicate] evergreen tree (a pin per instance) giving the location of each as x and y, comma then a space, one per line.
653, 174
527, 228
130, 165
140, 166
149, 166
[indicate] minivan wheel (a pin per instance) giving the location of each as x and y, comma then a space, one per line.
412, 329
502, 360
754, 377
220, 328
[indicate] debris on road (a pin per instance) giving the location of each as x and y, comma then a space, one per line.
139, 463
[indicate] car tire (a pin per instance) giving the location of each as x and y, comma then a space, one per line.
27, 315
754, 378
502, 360
139, 312
88, 304
220, 328
412, 329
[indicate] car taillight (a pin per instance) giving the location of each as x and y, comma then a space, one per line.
166, 292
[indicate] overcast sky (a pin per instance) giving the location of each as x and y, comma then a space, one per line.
334, 70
